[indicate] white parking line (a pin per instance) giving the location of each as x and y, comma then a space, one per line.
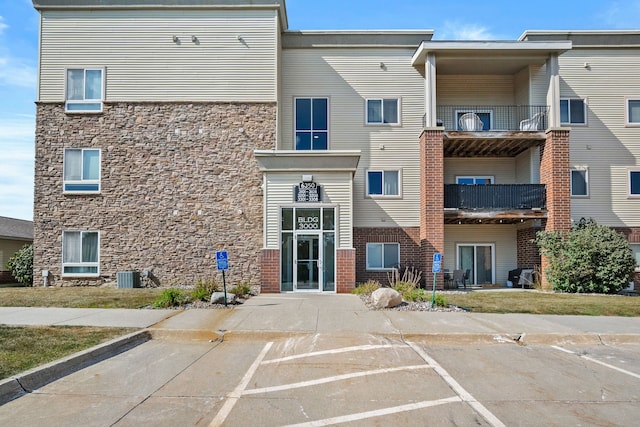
334, 351
332, 379
464, 395
378, 413
590, 359
233, 397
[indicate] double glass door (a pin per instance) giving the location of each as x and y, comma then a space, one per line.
479, 261
308, 262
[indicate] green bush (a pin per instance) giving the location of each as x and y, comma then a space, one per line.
241, 289
204, 289
441, 301
591, 258
366, 288
171, 298
21, 265
414, 294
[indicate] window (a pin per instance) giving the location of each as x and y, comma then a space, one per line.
383, 183
383, 256
633, 111
382, 111
85, 87
81, 170
573, 111
477, 180
80, 253
635, 250
579, 182
634, 183
312, 123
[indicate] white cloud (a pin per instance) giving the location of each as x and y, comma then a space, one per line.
17, 72
3, 26
458, 31
622, 14
16, 166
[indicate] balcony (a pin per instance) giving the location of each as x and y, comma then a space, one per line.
495, 203
502, 131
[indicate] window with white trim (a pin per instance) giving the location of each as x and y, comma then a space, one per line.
80, 253
85, 90
635, 250
573, 111
579, 182
383, 256
633, 111
311, 123
383, 183
474, 180
383, 111
81, 170
634, 183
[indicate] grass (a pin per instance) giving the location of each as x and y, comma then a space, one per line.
23, 348
77, 297
546, 303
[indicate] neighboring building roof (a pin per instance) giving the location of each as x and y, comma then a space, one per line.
16, 229
584, 38
296, 39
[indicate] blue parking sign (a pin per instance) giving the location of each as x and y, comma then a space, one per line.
222, 260
437, 262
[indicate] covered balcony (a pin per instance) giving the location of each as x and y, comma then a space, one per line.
494, 203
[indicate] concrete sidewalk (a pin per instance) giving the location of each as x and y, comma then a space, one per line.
100, 317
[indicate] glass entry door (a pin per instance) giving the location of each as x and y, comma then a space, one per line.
479, 261
307, 263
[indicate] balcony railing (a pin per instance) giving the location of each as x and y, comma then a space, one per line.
495, 117
495, 196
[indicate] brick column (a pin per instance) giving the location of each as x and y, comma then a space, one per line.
528, 253
431, 199
346, 270
555, 174
270, 271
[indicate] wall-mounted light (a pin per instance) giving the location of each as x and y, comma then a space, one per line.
194, 39
176, 39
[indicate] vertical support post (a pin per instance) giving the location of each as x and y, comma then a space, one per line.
224, 286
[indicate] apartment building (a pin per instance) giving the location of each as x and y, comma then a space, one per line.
318, 159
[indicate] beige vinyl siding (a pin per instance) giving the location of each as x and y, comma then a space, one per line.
475, 90
503, 236
336, 190
349, 76
143, 63
8, 248
503, 169
522, 87
528, 167
605, 145
539, 84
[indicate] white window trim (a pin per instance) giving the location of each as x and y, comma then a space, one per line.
84, 101
295, 114
627, 123
458, 113
586, 178
81, 264
380, 243
630, 195
584, 106
398, 108
82, 181
489, 177
383, 196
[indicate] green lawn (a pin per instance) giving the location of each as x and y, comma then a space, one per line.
77, 297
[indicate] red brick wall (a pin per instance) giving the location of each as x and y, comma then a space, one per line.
345, 270
6, 277
632, 233
270, 271
410, 252
528, 253
555, 174
432, 197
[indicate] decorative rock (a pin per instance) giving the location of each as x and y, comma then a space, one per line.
218, 298
386, 298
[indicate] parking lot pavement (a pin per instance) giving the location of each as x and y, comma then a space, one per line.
350, 379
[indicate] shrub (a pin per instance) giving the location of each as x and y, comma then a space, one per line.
21, 265
414, 294
366, 288
241, 289
440, 301
171, 298
410, 275
204, 289
590, 258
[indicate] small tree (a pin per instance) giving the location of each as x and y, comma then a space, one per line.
21, 265
589, 258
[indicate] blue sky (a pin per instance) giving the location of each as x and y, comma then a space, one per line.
451, 20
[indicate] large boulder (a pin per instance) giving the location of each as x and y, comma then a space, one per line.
218, 298
386, 298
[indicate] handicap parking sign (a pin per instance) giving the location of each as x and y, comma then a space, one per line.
222, 260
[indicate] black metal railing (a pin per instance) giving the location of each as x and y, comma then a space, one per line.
495, 196
494, 117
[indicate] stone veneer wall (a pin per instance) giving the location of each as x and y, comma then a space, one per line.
179, 181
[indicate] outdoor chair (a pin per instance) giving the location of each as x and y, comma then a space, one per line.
458, 278
470, 122
534, 123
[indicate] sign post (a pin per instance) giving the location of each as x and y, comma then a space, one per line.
437, 264
222, 262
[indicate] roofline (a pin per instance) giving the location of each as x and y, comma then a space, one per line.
279, 5
297, 39
587, 38
580, 32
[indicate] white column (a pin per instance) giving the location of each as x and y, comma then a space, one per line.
553, 93
430, 90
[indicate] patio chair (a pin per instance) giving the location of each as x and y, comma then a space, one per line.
458, 278
534, 123
466, 276
470, 122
